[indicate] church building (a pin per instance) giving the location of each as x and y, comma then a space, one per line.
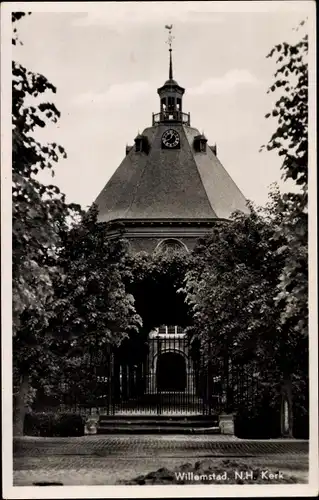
169, 190
171, 187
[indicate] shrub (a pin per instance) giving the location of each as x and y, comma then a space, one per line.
49, 424
301, 410
262, 420
257, 423
38, 424
300, 422
70, 425
259, 419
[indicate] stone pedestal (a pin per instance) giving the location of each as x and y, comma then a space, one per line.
91, 425
226, 423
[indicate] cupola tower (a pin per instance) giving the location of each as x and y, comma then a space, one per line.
170, 186
171, 95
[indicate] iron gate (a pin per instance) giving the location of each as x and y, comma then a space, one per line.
165, 373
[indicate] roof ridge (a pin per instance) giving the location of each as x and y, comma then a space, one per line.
198, 173
137, 185
170, 184
215, 190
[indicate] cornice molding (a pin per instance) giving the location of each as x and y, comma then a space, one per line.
166, 222
161, 228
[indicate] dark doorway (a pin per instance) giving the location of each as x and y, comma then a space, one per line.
171, 372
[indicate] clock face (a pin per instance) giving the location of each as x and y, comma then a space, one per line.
170, 138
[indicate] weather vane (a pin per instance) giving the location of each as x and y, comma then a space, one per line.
170, 39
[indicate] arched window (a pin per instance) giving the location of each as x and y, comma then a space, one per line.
171, 245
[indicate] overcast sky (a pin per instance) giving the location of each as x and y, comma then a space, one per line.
107, 64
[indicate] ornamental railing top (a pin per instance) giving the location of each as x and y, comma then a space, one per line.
174, 116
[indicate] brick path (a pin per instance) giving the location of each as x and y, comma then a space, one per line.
106, 459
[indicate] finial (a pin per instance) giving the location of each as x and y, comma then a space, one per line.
170, 39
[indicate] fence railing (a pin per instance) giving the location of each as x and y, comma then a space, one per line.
172, 376
174, 116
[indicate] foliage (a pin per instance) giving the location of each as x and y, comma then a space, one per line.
39, 211
92, 308
50, 424
39, 214
91, 298
156, 279
231, 287
260, 420
291, 109
15, 16
248, 282
68, 290
290, 139
292, 288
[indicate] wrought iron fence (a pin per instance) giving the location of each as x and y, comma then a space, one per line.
166, 374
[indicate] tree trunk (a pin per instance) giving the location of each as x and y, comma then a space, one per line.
20, 406
286, 409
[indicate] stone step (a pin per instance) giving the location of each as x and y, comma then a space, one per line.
152, 429
152, 424
157, 423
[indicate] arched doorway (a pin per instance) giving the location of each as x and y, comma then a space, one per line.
171, 372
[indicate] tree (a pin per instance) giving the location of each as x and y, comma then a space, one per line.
91, 298
68, 289
39, 210
39, 214
249, 281
93, 310
290, 139
232, 287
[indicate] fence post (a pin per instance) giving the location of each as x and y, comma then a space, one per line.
109, 385
158, 393
209, 378
229, 407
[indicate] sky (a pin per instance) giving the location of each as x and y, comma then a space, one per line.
108, 59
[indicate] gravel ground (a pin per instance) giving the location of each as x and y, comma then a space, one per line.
109, 460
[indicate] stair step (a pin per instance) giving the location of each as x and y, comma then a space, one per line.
138, 429
176, 423
158, 424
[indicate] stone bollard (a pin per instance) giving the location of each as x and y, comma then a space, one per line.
226, 424
91, 425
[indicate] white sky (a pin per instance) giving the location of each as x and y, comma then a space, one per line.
107, 64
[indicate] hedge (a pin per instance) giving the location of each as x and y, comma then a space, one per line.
263, 422
51, 424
